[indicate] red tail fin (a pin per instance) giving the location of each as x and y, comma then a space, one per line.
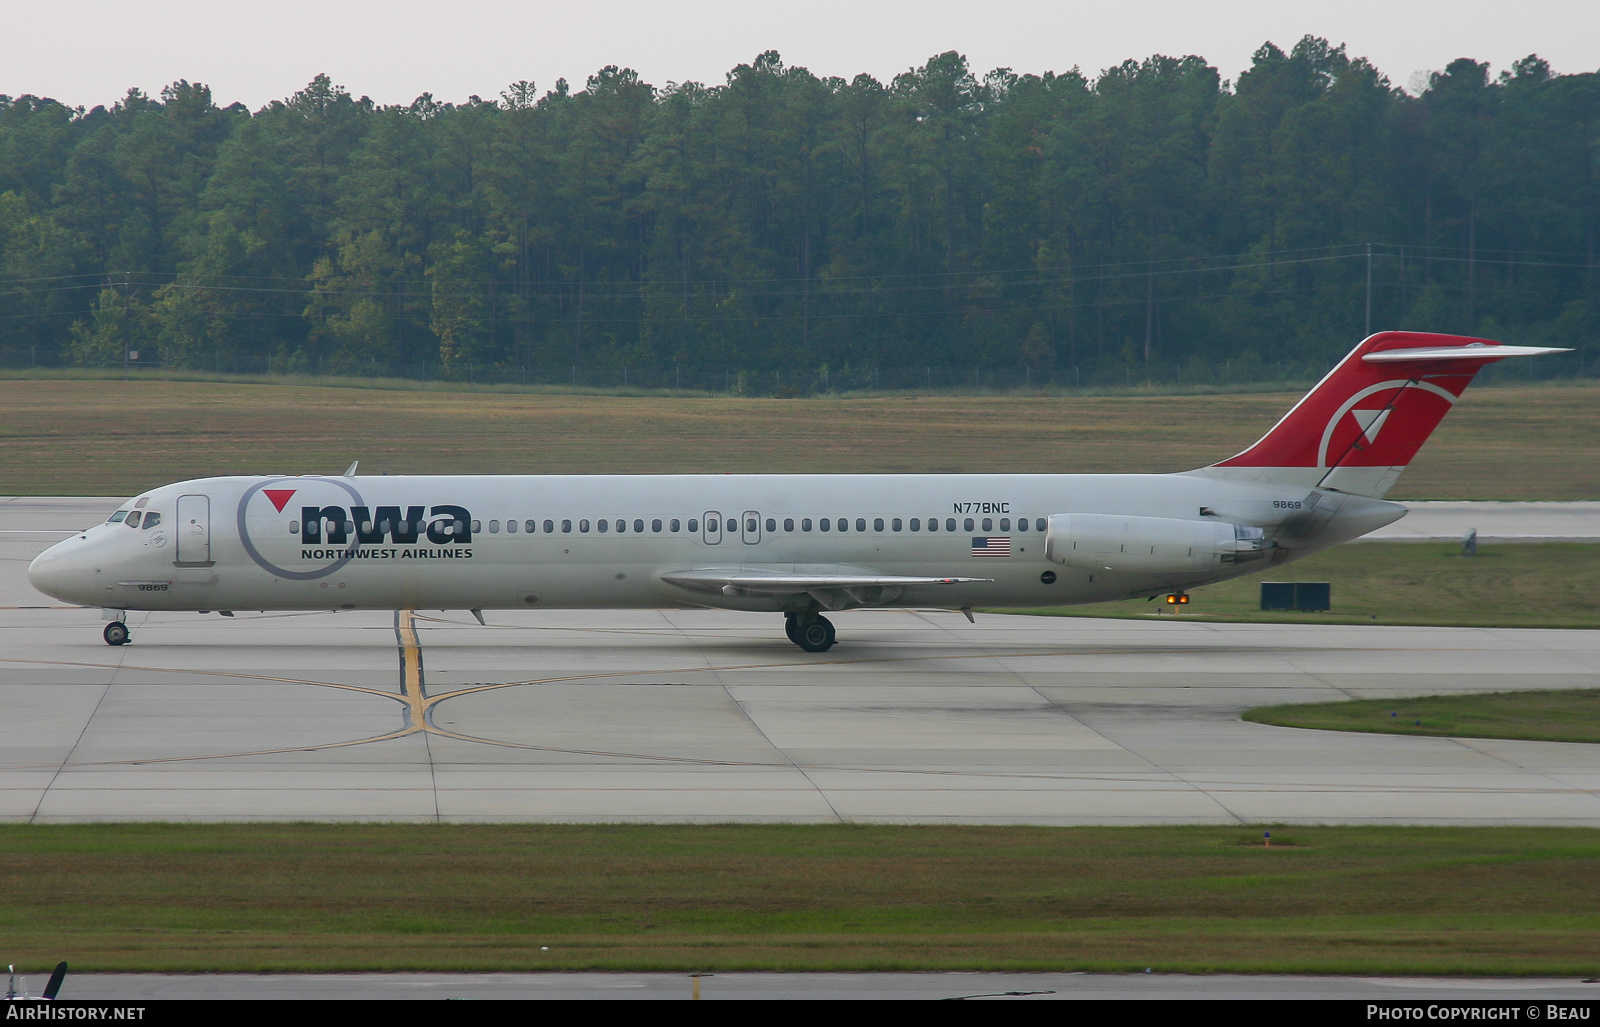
1359, 428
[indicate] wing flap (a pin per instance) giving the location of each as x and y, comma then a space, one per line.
750, 581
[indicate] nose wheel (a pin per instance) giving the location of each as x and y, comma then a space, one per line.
814, 635
116, 633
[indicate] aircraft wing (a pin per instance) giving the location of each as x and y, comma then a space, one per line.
756, 581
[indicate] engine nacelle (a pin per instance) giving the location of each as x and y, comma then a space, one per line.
1157, 545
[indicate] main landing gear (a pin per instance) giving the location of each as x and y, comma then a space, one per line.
812, 633
117, 633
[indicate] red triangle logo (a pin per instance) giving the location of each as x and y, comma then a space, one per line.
279, 497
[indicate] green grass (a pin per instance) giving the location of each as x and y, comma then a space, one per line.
789, 897
1567, 715
1523, 585
109, 437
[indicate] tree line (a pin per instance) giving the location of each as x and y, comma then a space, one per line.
782, 221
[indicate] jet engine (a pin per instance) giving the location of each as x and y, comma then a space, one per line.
1155, 545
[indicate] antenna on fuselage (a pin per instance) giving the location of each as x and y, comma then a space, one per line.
350, 472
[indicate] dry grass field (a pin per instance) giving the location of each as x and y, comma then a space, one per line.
1565, 715
108, 437
284, 897
1522, 585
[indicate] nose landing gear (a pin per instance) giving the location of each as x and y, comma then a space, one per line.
814, 634
116, 633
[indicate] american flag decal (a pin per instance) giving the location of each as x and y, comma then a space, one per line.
991, 546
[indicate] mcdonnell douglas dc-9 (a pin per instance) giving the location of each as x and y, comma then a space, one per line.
797, 544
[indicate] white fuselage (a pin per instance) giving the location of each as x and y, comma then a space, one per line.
446, 542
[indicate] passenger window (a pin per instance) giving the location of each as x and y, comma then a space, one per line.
529, 526
294, 527
603, 524
896, 524
494, 527
750, 526
694, 525
133, 519
950, 524
151, 519
638, 524
511, 526
916, 524
823, 523
655, 525
772, 525
861, 524
988, 524
933, 524
805, 524
477, 525
1005, 524
733, 524
116, 517
788, 524
583, 525
673, 525
566, 527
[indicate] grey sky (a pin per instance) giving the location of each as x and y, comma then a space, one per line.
91, 52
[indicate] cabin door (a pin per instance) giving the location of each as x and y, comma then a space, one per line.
193, 529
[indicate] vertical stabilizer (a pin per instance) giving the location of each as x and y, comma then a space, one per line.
1361, 425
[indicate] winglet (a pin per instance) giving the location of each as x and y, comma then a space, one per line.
350, 472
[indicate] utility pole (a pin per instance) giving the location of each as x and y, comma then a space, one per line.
1369, 292
127, 289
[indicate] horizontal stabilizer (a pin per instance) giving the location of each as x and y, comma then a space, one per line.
1471, 352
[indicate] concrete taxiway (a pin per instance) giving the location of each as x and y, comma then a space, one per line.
1494, 522
697, 715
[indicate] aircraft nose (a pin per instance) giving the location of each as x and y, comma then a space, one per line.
63, 572
43, 571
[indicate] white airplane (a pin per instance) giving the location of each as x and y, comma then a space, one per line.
796, 544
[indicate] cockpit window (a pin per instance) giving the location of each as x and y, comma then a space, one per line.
151, 519
133, 519
140, 504
116, 517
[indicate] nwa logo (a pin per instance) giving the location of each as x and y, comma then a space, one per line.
334, 526
1383, 425
331, 535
